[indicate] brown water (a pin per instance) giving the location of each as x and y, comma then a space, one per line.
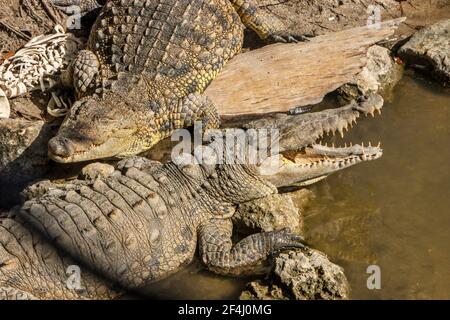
393, 212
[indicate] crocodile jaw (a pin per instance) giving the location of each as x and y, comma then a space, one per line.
111, 148
315, 163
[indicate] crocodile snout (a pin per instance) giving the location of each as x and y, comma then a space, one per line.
61, 147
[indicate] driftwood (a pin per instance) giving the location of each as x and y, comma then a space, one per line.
279, 77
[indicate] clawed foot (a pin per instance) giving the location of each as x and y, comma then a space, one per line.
137, 162
285, 239
286, 38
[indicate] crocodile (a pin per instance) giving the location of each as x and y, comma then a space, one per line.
145, 220
145, 67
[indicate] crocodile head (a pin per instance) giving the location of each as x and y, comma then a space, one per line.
94, 129
303, 159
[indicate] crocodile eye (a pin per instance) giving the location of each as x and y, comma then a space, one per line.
98, 119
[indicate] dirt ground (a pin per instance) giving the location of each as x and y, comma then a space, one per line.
22, 19
318, 17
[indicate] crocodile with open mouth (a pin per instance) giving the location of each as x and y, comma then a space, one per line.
146, 65
145, 220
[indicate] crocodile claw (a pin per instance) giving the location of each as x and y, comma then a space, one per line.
277, 38
285, 239
137, 162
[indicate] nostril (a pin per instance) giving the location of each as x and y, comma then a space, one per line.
60, 146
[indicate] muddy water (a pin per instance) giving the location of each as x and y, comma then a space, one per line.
393, 212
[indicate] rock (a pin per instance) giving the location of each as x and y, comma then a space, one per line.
302, 197
380, 75
301, 274
310, 275
23, 155
274, 212
429, 49
95, 170
258, 290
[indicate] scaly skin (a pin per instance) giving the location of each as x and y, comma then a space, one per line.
144, 221
144, 69
31, 268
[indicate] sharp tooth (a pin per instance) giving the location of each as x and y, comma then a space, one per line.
370, 144
341, 131
379, 144
345, 144
332, 145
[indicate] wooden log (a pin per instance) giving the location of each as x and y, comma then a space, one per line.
279, 77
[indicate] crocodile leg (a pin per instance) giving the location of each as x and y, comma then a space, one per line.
137, 162
85, 68
194, 107
263, 24
221, 256
85, 6
81, 73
